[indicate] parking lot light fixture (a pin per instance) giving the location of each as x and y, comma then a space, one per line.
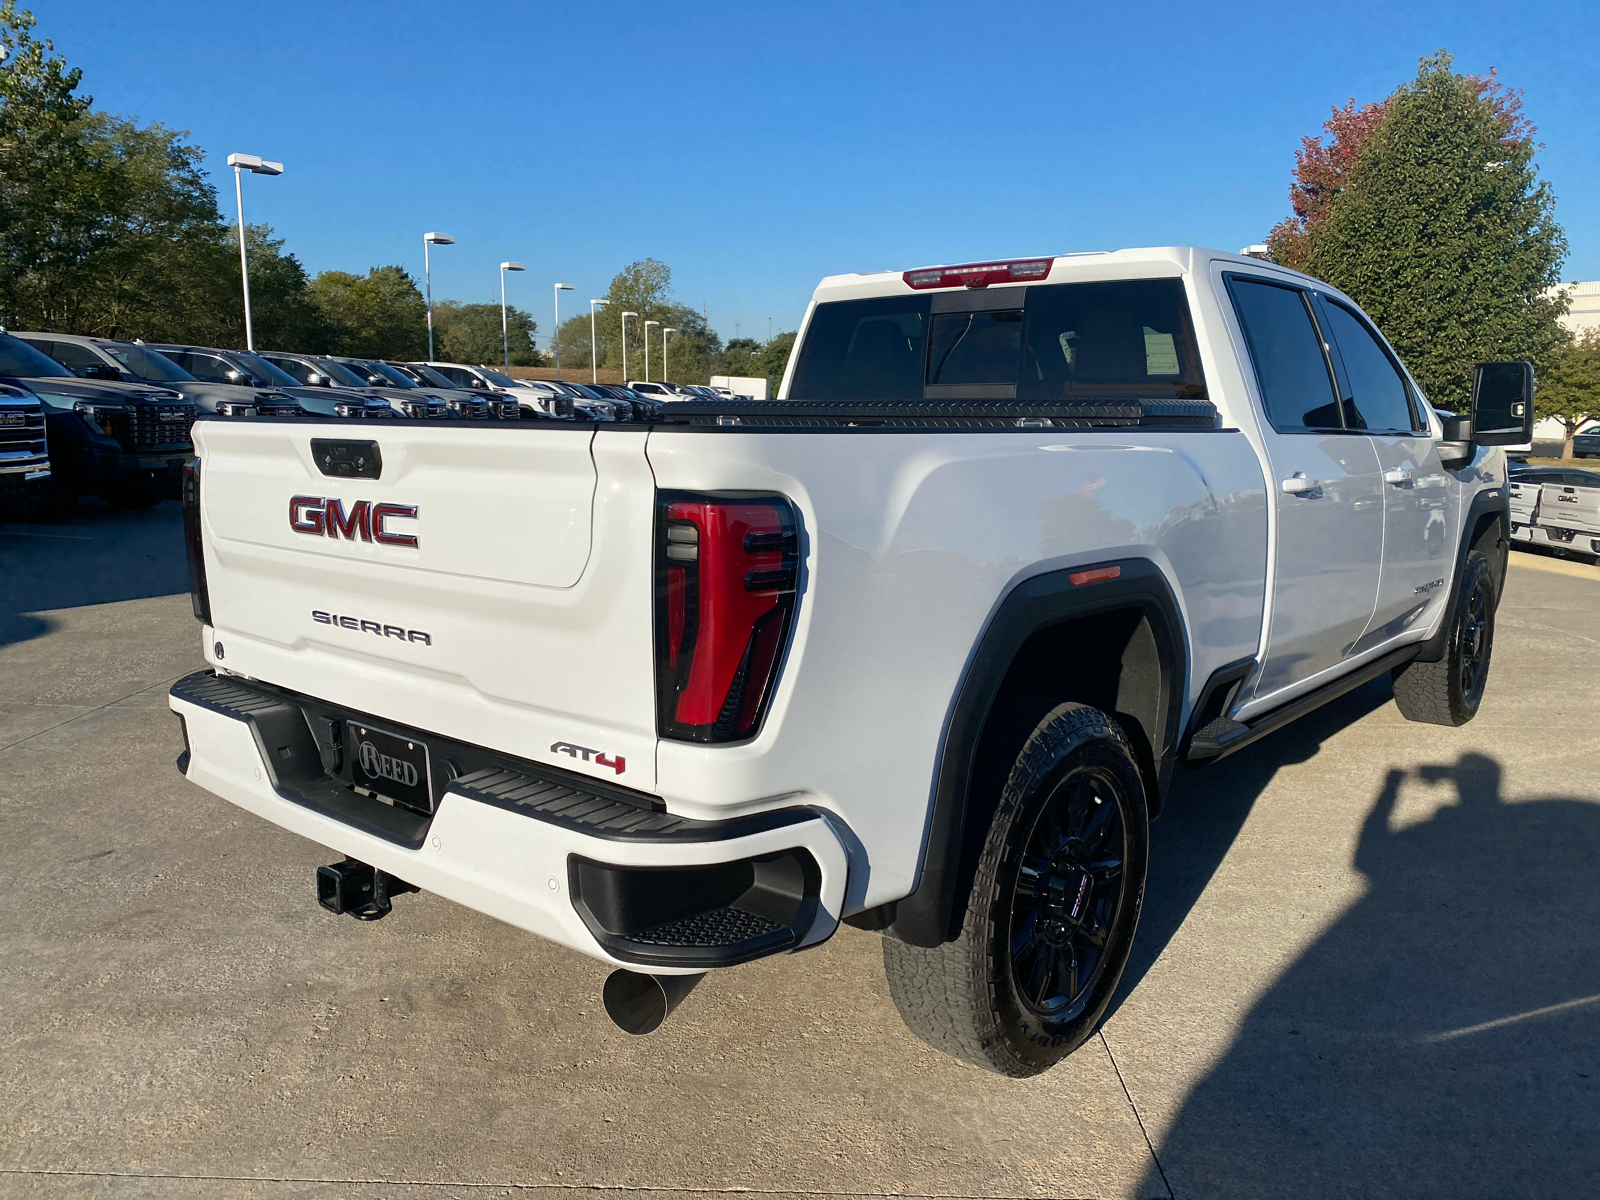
594, 353
664, 333
505, 336
431, 239
256, 165
556, 336
625, 317
647, 325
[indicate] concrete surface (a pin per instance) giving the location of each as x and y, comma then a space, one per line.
1367, 967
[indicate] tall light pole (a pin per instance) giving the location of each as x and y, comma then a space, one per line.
594, 352
256, 166
505, 334
625, 317
647, 325
664, 333
556, 336
431, 239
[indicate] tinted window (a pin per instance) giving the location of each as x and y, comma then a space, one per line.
74, 357
863, 350
209, 367
975, 347
20, 359
389, 374
1287, 351
298, 371
1377, 390
1130, 338
429, 376
496, 378
341, 374
1583, 479
146, 364
455, 375
262, 372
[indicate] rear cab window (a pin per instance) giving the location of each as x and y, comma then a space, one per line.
1123, 339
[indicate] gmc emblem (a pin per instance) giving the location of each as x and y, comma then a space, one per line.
325, 516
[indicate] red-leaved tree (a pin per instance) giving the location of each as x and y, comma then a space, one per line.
1322, 164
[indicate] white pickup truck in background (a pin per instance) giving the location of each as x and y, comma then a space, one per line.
918, 645
1557, 507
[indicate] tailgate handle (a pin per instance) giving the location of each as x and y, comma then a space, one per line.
347, 459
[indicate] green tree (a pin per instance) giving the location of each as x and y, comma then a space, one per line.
1443, 232
644, 288
471, 333
756, 360
1569, 386
377, 315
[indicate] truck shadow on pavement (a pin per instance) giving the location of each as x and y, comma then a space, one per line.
93, 555
1443, 1038
1206, 808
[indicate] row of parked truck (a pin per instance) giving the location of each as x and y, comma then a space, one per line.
84, 415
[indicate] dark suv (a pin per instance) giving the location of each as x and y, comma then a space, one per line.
134, 362
24, 459
125, 441
244, 370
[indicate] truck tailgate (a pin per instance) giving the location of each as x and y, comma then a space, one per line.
461, 592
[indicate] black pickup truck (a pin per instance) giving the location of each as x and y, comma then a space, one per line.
123, 441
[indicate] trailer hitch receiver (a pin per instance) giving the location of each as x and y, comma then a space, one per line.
359, 890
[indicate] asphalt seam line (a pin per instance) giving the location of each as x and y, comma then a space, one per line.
1134, 1108
166, 683
506, 1186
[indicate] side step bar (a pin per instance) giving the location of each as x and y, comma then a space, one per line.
1223, 735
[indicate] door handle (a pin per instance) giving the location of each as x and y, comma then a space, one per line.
1298, 485
1399, 476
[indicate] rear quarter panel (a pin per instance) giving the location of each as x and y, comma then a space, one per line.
911, 542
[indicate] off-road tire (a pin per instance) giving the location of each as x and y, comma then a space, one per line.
963, 997
1448, 692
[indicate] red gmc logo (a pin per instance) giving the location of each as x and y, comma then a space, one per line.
325, 516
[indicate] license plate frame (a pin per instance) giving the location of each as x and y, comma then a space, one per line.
391, 765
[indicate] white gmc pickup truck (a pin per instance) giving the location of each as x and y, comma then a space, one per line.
917, 645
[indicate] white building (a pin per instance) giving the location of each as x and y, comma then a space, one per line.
1583, 306
1582, 315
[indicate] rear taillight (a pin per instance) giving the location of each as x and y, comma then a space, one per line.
198, 595
727, 573
977, 275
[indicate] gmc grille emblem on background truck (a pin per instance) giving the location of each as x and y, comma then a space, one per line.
325, 516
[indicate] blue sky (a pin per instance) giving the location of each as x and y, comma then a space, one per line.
755, 148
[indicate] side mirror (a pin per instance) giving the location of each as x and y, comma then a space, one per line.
317, 379
1502, 403
235, 376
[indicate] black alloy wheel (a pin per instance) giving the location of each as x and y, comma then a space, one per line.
1048, 923
1448, 692
1068, 891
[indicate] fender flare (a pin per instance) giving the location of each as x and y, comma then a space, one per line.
923, 917
1493, 503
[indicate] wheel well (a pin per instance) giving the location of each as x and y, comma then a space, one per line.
1491, 538
1114, 661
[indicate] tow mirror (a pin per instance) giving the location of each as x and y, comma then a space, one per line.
1502, 403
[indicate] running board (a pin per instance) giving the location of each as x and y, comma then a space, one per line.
1223, 736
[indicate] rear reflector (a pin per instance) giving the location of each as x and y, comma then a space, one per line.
727, 570
198, 595
977, 275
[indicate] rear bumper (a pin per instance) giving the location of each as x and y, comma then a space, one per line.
1583, 541
628, 885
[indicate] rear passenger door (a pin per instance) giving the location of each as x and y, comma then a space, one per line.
1326, 490
1418, 502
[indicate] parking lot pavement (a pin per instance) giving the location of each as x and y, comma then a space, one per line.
1368, 967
